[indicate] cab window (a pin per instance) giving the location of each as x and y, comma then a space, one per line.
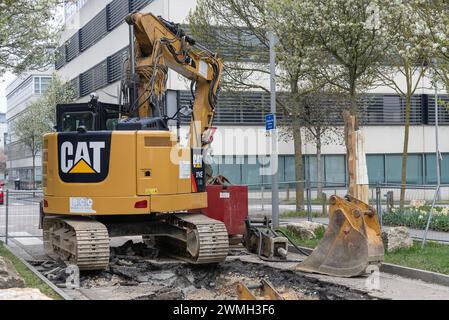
71, 121
111, 117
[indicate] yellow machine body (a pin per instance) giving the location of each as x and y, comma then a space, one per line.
143, 165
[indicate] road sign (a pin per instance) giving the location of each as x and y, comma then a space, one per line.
270, 122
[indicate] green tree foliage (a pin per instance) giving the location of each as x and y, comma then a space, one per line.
28, 30
408, 56
39, 117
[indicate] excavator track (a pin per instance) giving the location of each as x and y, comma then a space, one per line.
80, 241
207, 240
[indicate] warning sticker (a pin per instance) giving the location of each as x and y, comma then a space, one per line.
204, 67
225, 195
184, 169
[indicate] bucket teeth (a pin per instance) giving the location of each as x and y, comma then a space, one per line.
352, 240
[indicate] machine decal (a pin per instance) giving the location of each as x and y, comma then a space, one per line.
84, 157
81, 205
198, 176
184, 169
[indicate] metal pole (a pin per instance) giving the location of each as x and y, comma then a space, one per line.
437, 156
274, 151
309, 200
437, 190
378, 206
262, 189
437, 147
133, 91
6, 215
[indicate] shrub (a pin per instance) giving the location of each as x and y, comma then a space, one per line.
416, 218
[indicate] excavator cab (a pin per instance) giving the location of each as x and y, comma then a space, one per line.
99, 116
92, 116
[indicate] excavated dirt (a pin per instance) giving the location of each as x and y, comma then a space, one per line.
136, 272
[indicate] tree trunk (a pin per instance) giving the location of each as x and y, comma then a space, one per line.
350, 142
297, 139
405, 150
318, 166
351, 125
34, 171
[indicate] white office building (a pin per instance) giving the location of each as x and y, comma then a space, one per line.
95, 43
19, 94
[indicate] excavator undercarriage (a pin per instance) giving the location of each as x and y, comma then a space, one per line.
84, 241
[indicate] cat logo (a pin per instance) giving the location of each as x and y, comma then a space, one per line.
84, 157
83, 162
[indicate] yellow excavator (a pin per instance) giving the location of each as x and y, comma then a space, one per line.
118, 170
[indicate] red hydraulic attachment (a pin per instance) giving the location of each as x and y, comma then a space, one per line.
227, 203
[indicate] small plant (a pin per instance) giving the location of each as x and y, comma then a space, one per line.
416, 216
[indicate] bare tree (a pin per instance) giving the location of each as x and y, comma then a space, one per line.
321, 123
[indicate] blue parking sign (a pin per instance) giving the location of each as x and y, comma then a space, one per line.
270, 122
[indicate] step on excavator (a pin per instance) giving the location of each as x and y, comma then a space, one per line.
118, 170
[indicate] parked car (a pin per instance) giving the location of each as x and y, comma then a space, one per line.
2, 196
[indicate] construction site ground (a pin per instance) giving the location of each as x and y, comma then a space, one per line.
139, 273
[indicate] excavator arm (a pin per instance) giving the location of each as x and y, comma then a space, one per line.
161, 45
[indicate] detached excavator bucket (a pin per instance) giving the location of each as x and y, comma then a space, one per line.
352, 240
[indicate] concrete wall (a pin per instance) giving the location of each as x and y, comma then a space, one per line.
241, 140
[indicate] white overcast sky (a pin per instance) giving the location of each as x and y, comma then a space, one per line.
6, 79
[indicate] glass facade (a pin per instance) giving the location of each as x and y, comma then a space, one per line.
382, 168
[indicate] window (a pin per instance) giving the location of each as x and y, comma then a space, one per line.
394, 169
430, 169
41, 84
313, 173
290, 172
71, 121
414, 169
444, 168
250, 171
112, 117
376, 168
335, 169
230, 169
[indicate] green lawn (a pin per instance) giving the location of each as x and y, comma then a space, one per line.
434, 256
31, 280
311, 243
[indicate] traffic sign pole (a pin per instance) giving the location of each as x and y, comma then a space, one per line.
272, 126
